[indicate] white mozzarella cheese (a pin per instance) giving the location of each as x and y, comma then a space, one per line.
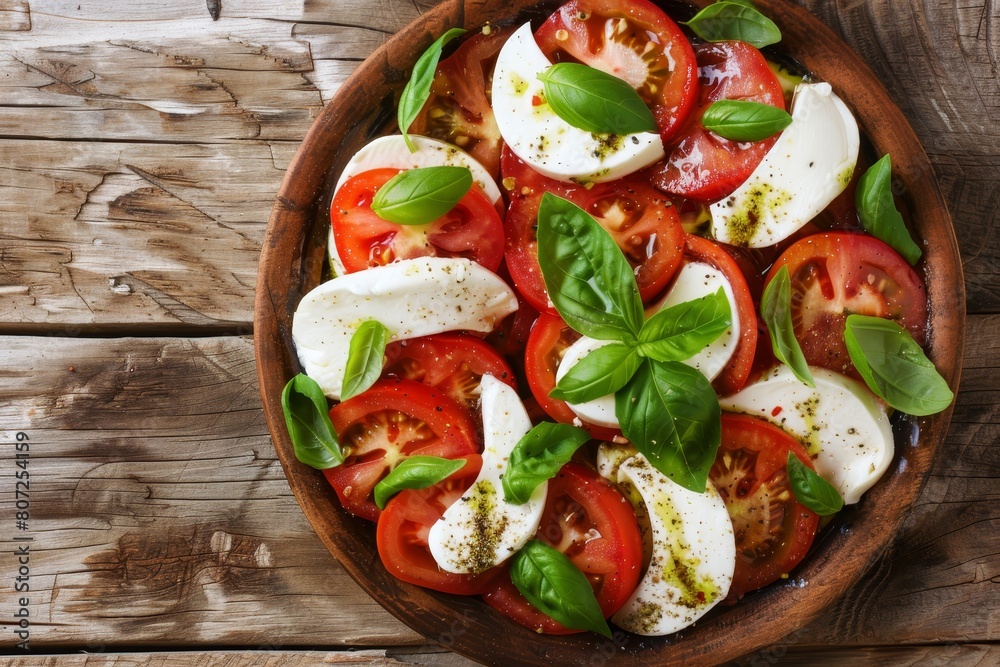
843, 426
693, 552
545, 141
809, 165
599, 411
413, 297
481, 529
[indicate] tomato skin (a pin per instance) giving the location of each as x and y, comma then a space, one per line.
401, 535
581, 504
380, 427
835, 274
702, 165
773, 530
472, 229
648, 50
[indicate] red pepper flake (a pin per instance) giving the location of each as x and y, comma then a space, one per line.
776, 411
537, 101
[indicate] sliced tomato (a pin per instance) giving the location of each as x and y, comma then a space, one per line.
451, 363
773, 530
735, 374
592, 523
702, 165
642, 222
835, 274
402, 532
635, 41
458, 109
380, 427
472, 229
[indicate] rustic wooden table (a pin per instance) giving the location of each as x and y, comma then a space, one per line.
141, 144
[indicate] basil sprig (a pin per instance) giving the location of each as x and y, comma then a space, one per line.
557, 588
418, 88
776, 309
365, 356
421, 195
878, 213
307, 417
812, 490
742, 120
894, 367
415, 472
538, 456
724, 21
667, 409
595, 101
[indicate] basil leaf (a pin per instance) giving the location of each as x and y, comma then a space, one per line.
364, 358
681, 331
812, 490
741, 120
557, 588
604, 371
724, 21
595, 101
307, 418
878, 213
418, 88
588, 279
415, 472
671, 414
538, 456
776, 309
895, 367
421, 195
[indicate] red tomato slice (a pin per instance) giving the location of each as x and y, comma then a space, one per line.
773, 531
458, 109
592, 523
642, 222
380, 427
451, 363
836, 274
635, 41
402, 532
472, 229
703, 165
735, 374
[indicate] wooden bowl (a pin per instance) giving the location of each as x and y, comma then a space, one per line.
292, 261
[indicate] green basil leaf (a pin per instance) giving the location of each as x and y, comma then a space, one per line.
307, 417
741, 120
812, 490
671, 414
724, 21
421, 195
557, 588
776, 309
603, 371
878, 213
538, 456
895, 367
418, 88
588, 279
682, 331
595, 101
364, 358
415, 472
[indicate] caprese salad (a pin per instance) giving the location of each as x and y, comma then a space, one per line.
612, 321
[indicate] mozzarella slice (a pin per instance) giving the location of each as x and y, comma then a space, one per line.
391, 152
545, 141
809, 165
413, 297
481, 529
842, 425
694, 552
695, 280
